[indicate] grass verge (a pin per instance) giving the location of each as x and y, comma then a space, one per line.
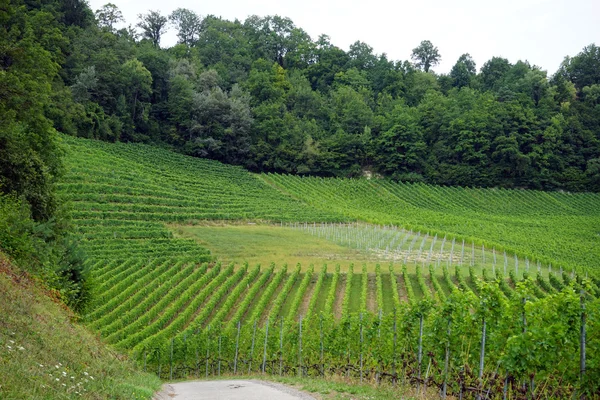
44, 354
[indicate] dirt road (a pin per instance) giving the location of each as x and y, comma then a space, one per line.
229, 390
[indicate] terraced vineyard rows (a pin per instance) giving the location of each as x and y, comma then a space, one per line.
558, 228
449, 259
195, 302
145, 302
121, 195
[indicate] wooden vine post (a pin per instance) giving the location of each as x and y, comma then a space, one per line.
582, 341
219, 356
252, 347
207, 348
361, 347
281, 348
171, 362
481, 358
300, 348
446, 362
322, 348
265, 347
237, 348
394, 378
420, 353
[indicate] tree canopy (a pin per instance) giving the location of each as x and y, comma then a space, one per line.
262, 94
426, 55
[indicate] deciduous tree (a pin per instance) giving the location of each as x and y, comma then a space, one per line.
426, 55
153, 25
108, 16
188, 25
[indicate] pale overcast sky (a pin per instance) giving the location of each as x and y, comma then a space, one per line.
540, 31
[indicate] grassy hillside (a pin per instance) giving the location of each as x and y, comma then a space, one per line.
45, 355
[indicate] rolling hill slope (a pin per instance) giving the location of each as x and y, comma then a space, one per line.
436, 253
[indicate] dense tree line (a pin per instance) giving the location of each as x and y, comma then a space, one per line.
261, 93
35, 42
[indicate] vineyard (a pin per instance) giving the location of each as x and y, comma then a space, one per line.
484, 293
121, 196
557, 228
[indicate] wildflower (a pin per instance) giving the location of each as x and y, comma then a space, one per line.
85, 373
41, 366
21, 348
56, 379
12, 341
72, 377
10, 348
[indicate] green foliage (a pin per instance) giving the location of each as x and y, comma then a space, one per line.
584, 68
484, 216
426, 55
45, 355
16, 229
519, 330
188, 25
282, 102
463, 71
44, 249
262, 94
153, 26
285, 103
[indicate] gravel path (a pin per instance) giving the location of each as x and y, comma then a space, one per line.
229, 390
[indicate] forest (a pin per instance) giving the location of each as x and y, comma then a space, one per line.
261, 93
